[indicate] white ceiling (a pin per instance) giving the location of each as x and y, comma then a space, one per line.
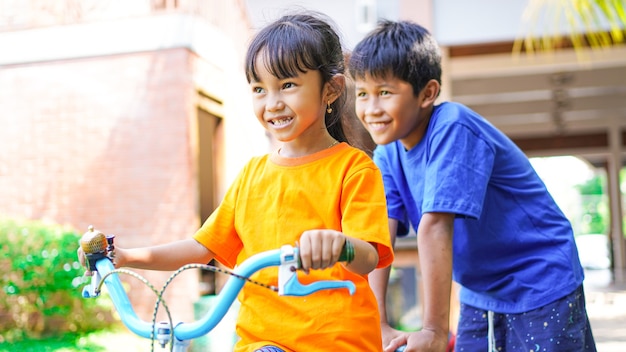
560, 94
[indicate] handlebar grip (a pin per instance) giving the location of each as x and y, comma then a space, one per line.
347, 252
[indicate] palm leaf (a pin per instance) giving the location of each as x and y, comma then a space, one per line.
588, 23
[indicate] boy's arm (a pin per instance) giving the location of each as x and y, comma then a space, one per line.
379, 279
434, 240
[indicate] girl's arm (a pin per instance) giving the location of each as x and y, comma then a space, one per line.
170, 256
365, 257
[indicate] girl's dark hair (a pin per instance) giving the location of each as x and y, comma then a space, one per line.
299, 43
403, 49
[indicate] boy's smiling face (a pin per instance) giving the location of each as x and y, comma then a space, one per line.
390, 110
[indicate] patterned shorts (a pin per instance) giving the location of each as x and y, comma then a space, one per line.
269, 349
562, 325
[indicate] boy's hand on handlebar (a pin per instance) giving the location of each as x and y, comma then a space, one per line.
320, 249
423, 341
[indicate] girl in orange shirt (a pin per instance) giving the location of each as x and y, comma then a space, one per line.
316, 190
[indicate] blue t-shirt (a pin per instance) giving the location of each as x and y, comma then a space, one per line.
514, 249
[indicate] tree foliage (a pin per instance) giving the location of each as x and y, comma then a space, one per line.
41, 282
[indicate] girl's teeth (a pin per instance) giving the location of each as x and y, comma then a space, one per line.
280, 122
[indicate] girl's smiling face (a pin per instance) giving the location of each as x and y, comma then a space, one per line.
291, 108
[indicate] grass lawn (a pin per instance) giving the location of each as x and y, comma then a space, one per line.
102, 341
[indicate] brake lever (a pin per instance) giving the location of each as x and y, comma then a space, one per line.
288, 284
91, 290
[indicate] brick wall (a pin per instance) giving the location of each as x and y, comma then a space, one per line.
98, 121
102, 141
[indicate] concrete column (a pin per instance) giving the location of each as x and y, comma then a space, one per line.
615, 199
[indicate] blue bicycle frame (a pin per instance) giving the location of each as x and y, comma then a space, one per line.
98, 249
286, 258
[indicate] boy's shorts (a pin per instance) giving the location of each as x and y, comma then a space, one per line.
269, 349
562, 325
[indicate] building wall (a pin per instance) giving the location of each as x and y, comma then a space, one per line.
102, 141
99, 126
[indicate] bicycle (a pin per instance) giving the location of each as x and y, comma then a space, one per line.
99, 252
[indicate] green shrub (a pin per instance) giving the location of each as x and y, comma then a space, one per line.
41, 282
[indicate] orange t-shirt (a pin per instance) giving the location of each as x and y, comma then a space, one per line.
271, 202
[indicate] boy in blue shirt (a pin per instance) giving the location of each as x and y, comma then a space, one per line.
483, 216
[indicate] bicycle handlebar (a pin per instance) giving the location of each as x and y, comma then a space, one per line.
286, 258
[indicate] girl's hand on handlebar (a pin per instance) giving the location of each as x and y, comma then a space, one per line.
80, 253
83, 260
320, 249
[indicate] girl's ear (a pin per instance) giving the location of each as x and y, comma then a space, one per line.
430, 93
335, 87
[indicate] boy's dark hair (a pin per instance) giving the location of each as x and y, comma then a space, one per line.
299, 43
403, 49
